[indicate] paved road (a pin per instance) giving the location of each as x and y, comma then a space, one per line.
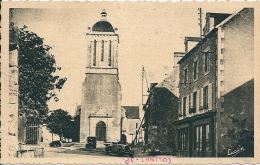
99, 154
72, 152
95, 155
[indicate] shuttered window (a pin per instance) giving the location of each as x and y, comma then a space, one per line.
180, 107
210, 96
197, 101
194, 98
184, 106
201, 98
195, 70
207, 62
187, 104
205, 97
185, 76
193, 102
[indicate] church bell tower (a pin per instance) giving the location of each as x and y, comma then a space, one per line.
101, 90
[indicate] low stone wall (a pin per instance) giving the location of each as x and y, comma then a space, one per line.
30, 151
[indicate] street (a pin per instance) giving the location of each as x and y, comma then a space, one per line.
99, 154
72, 152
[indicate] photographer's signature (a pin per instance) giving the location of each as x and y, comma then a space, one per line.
236, 151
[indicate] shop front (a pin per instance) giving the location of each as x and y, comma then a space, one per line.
196, 136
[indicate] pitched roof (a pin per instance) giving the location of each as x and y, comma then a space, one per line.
131, 112
171, 82
212, 31
230, 17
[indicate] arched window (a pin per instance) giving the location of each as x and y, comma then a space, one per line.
101, 131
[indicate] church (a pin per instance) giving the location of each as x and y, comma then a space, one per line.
101, 112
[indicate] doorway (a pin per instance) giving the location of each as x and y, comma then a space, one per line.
101, 131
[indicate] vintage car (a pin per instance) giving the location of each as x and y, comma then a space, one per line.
56, 144
91, 142
119, 149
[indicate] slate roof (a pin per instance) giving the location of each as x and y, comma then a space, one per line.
131, 112
171, 82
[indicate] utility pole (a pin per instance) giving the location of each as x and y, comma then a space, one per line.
142, 84
200, 20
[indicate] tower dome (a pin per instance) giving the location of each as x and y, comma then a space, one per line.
103, 25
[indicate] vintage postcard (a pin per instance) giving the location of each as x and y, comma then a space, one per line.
129, 82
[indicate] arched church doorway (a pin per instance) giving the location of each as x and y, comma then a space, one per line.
101, 131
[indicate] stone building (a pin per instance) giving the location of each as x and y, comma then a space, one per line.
101, 90
161, 110
130, 123
216, 115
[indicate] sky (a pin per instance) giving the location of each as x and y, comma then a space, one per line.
149, 34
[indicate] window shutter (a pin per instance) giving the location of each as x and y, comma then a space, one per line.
180, 110
187, 104
203, 61
201, 97
197, 101
181, 106
197, 70
188, 75
210, 96
191, 100
209, 56
193, 73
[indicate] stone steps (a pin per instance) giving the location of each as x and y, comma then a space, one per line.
80, 145
100, 144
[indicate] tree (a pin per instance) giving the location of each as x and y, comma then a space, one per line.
60, 122
37, 84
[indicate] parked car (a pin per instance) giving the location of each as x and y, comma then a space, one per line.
91, 142
119, 149
56, 144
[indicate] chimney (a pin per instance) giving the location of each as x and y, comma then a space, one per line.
192, 39
212, 20
177, 57
152, 85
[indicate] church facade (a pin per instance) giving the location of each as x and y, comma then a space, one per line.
101, 90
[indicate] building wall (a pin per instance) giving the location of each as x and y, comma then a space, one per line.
236, 94
101, 95
162, 112
129, 129
13, 93
238, 63
204, 78
106, 41
112, 132
201, 116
